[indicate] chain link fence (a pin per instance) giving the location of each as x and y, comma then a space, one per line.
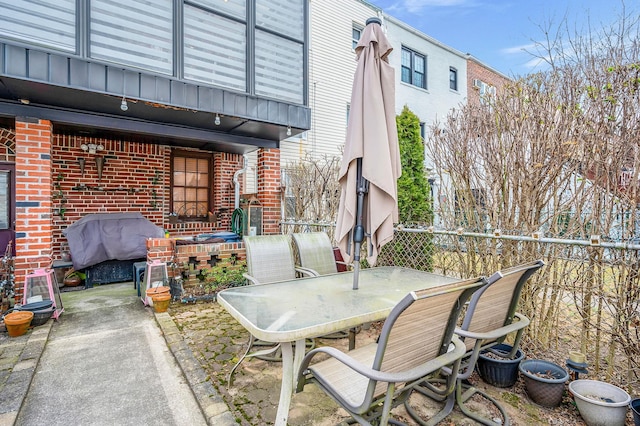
586, 298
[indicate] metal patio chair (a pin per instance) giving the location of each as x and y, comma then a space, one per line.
417, 340
490, 317
315, 254
269, 259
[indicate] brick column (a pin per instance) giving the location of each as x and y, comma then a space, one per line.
33, 197
269, 189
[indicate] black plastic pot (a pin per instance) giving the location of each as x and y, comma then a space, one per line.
502, 373
42, 311
41, 317
635, 408
545, 391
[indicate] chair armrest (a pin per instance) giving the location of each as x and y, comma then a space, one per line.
453, 355
345, 264
251, 279
498, 332
308, 272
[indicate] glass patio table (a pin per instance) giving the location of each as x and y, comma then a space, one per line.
288, 312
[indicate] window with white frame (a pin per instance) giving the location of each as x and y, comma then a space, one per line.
487, 92
453, 78
356, 33
414, 68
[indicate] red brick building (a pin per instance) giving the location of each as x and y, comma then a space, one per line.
482, 81
93, 120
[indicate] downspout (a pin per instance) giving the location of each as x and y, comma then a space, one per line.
237, 217
236, 184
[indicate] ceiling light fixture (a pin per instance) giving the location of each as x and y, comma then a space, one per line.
123, 104
288, 130
217, 120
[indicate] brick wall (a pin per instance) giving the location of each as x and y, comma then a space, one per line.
476, 70
33, 197
269, 189
135, 178
192, 257
52, 191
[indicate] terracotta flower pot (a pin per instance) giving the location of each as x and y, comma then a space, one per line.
18, 322
161, 302
155, 291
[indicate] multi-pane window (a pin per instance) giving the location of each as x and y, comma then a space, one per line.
453, 78
356, 33
414, 68
251, 46
49, 23
279, 49
132, 33
191, 184
215, 48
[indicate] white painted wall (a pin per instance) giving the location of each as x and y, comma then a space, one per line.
437, 99
332, 65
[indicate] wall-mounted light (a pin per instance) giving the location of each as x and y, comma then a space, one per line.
288, 130
81, 162
217, 120
92, 148
99, 166
123, 104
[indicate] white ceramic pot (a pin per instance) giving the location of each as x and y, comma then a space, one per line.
600, 403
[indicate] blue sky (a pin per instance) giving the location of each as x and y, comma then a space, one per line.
498, 31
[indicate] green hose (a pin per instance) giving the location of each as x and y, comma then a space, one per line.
237, 221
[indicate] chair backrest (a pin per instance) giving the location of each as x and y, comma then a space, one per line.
494, 305
270, 258
315, 252
420, 327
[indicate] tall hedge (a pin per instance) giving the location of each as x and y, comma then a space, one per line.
414, 194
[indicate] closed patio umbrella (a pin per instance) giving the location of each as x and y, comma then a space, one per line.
371, 162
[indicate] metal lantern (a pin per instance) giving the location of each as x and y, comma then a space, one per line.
155, 275
43, 285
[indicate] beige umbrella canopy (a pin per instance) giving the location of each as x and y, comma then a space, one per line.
371, 162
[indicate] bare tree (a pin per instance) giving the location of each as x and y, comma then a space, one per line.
312, 192
556, 152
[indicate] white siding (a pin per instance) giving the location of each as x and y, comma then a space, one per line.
332, 65
331, 68
437, 99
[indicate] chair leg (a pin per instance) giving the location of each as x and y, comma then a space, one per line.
272, 353
450, 402
457, 398
461, 398
246, 354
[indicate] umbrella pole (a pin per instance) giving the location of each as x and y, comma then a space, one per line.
358, 233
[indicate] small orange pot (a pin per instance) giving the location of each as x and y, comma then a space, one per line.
161, 302
18, 323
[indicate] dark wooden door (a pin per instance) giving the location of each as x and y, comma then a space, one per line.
7, 207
